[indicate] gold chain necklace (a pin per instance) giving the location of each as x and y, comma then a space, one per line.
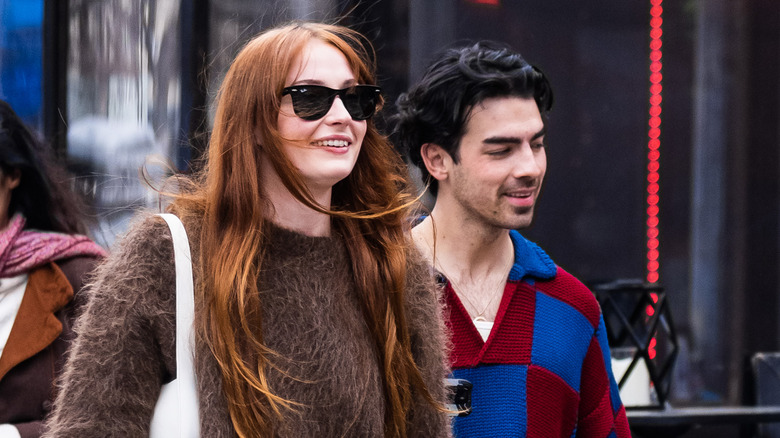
455, 286
480, 314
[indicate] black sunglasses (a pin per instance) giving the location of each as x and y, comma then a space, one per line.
312, 102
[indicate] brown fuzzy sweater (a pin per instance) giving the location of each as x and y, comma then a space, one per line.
125, 347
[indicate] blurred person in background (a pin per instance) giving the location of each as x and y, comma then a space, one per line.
44, 258
314, 314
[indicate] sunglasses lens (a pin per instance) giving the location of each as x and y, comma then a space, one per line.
361, 101
312, 102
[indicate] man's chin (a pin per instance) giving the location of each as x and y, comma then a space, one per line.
523, 218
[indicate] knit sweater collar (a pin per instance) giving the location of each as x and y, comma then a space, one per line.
295, 244
530, 260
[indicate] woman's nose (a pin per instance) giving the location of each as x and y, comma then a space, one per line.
338, 112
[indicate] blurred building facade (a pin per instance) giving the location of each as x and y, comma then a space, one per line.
125, 80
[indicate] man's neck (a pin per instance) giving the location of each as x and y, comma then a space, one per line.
475, 258
467, 249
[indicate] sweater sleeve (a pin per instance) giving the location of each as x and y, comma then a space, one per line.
428, 338
601, 412
125, 340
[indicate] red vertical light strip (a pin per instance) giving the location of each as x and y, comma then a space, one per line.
654, 138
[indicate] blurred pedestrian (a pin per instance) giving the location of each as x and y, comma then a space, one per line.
44, 259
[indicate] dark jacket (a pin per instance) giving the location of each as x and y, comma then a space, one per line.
36, 347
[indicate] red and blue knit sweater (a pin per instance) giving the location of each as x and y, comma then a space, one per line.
545, 369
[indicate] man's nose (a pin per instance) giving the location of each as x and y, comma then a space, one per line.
527, 163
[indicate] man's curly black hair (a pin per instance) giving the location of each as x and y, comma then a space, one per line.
436, 109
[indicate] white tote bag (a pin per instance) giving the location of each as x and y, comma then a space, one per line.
176, 412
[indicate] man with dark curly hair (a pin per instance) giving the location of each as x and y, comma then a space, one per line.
528, 335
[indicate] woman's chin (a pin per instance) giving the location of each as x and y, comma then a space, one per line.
326, 180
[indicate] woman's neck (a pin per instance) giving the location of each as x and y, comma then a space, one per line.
290, 213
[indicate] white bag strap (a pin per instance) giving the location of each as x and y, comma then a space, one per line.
185, 315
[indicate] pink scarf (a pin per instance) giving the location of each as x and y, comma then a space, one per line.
21, 251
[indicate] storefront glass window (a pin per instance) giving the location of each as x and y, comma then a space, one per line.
123, 101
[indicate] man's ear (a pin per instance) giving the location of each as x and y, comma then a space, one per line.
437, 160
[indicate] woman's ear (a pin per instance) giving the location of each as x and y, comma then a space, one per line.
437, 160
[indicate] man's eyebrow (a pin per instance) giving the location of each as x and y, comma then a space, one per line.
512, 140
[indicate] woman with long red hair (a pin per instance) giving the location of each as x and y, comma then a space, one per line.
313, 315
